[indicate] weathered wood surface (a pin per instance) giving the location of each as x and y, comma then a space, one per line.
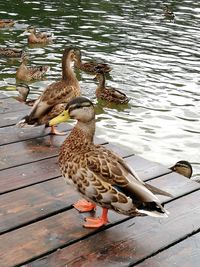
40, 227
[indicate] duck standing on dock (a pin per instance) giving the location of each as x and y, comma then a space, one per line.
50, 103
38, 37
108, 94
100, 175
90, 67
183, 167
25, 73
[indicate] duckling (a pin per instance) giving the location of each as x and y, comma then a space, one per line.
183, 167
38, 37
102, 177
27, 74
50, 102
90, 66
168, 13
6, 23
109, 94
24, 90
11, 52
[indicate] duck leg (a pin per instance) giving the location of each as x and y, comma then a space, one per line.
56, 132
97, 222
84, 206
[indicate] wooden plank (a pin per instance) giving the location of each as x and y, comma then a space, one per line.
11, 118
31, 173
35, 202
11, 105
31, 203
3, 96
126, 243
13, 134
123, 243
184, 254
32, 150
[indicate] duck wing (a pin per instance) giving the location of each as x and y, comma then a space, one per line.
110, 168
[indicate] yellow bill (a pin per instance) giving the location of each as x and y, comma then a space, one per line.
63, 117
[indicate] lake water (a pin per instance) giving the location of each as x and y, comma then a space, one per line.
154, 61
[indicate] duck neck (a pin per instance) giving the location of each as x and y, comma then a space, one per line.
81, 136
78, 62
102, 80
67, 72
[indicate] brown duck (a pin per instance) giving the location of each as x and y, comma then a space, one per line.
50, 103
183, 167
102, 177
6, 23
24, 90
109, 94
90, 67
25, 73
38, 37
11, 52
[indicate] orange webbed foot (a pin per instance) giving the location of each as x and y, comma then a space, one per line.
84, 206
97, 222
56, 132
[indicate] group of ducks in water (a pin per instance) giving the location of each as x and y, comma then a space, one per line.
101, 176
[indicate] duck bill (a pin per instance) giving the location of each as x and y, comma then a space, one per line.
63, 117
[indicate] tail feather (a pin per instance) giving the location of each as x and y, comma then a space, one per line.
157, 191
153, 209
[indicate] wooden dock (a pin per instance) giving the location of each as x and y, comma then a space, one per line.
40, 227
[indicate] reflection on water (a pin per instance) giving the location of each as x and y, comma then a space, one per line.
155, 61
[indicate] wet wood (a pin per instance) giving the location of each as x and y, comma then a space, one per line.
31, 150
13, 134
9, 104
132, 241
35, 202
184, 254
40, 227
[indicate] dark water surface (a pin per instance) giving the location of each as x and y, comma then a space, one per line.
155, 62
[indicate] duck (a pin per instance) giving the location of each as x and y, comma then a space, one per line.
168, 13
11, 52
6, 23
101, 176
24, 90
183, 167
52, 101
109, 94
25, 73
36, 37
90, 67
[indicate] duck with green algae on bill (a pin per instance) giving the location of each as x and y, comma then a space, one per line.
98, 174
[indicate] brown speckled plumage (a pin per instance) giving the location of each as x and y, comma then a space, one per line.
38, 37
109, 94
6, 23
50, 103
11, 52
25, 73
100, 175
90, 67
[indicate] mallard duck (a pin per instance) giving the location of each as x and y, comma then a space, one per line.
24, 90
102, 177
90, 66
50, 103
6, 23
168, 13
36, 37
109, 94
25, 73
183, 167
11, 52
